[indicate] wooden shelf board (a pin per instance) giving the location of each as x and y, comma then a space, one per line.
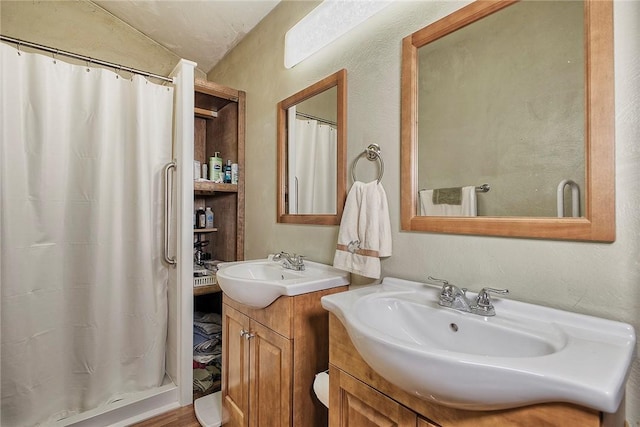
204, 230
204, 113
209, 289
216, 90
215, 387
211, 187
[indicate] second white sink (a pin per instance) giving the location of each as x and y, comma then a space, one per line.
523, 355
257, 283
431, 325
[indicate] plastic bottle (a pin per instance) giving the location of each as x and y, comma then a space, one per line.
215, 168
202, 219
234, 173
208, 217
227, 172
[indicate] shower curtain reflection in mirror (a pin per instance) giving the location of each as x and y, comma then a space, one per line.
312, 160
84, 290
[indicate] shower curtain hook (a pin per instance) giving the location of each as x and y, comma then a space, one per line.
18, 47
53, 55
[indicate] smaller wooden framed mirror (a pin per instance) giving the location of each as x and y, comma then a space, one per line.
311, 166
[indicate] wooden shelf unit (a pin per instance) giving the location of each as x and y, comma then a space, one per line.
219, 126
221, 131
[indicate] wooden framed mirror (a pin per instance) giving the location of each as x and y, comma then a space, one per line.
312, 153
591, 105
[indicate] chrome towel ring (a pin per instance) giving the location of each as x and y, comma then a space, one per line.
372, 153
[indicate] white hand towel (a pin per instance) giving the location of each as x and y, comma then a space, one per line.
468, 207
365, 230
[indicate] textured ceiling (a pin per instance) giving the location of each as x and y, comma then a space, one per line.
202, 31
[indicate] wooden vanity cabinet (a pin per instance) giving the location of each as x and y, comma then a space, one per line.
359, 397
258, 364
269, 360
363, 406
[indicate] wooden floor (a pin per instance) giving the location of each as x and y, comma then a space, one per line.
181, 417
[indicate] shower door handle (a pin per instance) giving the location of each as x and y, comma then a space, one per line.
168, 184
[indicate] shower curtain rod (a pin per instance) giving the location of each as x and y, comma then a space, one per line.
83, 58
309, 116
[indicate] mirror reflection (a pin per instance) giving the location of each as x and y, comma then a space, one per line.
312, 139
556, 127
502, 102
312, 153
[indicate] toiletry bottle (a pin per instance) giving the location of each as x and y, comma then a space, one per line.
209, 217
215, 167
196, 170
202, 218
234, 173
227, 172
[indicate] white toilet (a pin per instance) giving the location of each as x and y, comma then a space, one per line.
321, 387
209, 408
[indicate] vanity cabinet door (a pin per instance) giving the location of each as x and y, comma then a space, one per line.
355, 404
257, 373
270, 378
426, 423
235, 362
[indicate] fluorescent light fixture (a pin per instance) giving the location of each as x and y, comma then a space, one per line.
324, 24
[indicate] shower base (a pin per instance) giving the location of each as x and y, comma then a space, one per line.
135, 407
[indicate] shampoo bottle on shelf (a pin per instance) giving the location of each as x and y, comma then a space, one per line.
208, 217
227, 172
215, 168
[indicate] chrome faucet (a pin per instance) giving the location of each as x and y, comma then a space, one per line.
453, 297
292, 262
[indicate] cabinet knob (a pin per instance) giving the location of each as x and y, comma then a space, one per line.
246, 334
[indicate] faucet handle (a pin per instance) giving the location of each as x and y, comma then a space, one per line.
299, 260
483, 300
449, 290
446, 293
435, 279
279, 255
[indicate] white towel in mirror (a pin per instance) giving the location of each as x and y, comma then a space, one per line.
468, 207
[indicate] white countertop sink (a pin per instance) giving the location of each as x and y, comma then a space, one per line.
523, 355
257, 283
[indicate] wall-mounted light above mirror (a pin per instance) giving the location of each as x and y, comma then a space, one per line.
312, 153
519, 95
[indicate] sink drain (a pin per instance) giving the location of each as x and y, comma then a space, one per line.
453, 327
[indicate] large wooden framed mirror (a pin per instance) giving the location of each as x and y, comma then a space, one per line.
312, 130
518, 95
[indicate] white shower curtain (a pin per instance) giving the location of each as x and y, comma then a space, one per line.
316, 162
83, 287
